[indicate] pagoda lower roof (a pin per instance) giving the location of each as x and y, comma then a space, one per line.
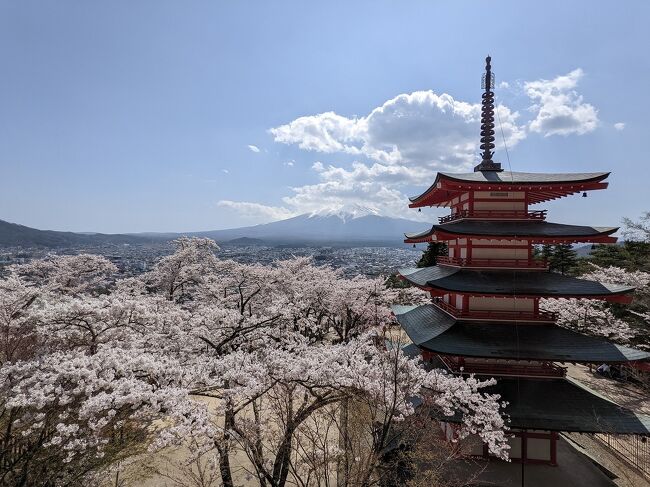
431, 329
510, 283
555, 405
540, 186
538, 231
564, 405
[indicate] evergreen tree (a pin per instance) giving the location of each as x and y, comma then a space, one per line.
433, 250
395, 282
638, 255
546, 252
609, 255
563, 259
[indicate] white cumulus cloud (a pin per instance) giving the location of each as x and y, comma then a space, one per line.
253, 148
256, 212
402, 143
416, 130
619, 126
560, 109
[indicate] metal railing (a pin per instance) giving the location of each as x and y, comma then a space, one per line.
496, 215
510, 263
635, 450
506, 315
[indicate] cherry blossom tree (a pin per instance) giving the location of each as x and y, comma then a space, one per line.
596, 317
204, 352
70, 275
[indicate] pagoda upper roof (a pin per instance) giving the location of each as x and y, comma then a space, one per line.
507, 177
512, 283
540, 186
432, 329
539, 231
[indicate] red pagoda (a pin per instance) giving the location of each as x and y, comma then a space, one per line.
485, 318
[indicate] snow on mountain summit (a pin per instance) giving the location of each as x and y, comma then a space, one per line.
346, 212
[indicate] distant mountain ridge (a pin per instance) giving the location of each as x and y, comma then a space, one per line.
358, 228
324, 228
15, 235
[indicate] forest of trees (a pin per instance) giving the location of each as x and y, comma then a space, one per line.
222, 359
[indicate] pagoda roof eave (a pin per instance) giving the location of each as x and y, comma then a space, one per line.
507, 177
433, 330
544, 186
562, 405
512, 283
536, 231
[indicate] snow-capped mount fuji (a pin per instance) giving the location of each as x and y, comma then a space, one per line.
346, 212
350, 225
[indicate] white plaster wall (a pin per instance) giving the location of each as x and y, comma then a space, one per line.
498, 243
538, 449
503, 304
501, 253
515, 195
499, 205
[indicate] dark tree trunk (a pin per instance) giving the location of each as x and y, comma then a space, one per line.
343, 467
281, 466
224, 449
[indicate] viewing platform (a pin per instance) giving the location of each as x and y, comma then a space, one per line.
495, 215
530, 264
497, 315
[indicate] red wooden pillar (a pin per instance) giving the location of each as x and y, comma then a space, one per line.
525, 201
554, 437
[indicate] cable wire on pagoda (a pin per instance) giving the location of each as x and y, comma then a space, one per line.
505, 144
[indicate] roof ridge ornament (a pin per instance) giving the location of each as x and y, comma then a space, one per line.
487, 121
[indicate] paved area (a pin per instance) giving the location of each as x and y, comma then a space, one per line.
575, 470
625, 476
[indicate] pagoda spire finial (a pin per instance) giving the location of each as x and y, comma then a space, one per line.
487, 121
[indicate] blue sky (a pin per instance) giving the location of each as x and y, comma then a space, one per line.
140, 115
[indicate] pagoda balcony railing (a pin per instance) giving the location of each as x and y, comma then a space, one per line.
501, 315
487, 263
541, 369
495, 215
